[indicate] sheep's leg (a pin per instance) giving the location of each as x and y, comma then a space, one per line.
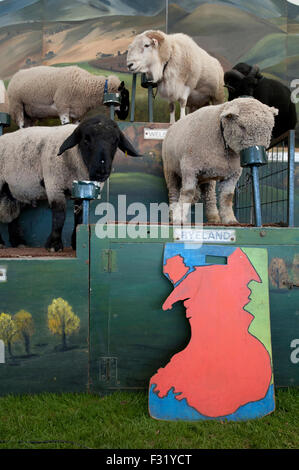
219, 96
187, 194
64, 118
17, 112
226, 197
172, 112
54, 242
2, 243
183, 101
15, 234
210, 202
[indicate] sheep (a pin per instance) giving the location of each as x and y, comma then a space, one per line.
204, 147
64, 92
183, 71
244, 79
32, 168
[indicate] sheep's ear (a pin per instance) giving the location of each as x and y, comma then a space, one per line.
125, 145
70, 142
275, 111
156, 37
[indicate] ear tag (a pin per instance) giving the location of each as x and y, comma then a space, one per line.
126, 153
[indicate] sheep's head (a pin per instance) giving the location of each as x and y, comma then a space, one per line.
123, 110
98, 139
242, 80
247, 122
148, 54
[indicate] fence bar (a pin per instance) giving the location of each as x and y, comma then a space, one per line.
150, 104
291, 178
132, 117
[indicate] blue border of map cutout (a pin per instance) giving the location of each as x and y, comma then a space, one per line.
168, 407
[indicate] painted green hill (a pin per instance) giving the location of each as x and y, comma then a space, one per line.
224, 30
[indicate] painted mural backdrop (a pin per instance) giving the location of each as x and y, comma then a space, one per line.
95, 33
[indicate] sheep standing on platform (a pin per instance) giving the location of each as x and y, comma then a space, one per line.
244, 79
41, 163
183, 71
64, 92
204, 147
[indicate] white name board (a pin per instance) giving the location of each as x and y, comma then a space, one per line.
154, 134
205, 236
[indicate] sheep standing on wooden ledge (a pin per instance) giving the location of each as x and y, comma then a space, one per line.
183, 71
64, 92
41, 163
204, 147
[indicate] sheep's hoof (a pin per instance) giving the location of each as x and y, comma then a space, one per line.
54, 245
2, 246
230, 222
214, 220
21, 245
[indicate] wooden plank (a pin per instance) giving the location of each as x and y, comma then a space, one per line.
225, 372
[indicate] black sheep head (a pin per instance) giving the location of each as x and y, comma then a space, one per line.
241, 80
123, 110
98, 139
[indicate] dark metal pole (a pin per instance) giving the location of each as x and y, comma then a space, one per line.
256, 196
291, 182
133, 97
150, 104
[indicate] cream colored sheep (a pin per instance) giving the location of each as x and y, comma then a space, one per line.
183, 71
64, 92
194, 155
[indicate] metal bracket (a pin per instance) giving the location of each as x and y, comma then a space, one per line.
108, 369
109, 261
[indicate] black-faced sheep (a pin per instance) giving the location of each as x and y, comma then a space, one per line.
64, 92
204, 147
41, 163
183, 71
247, 80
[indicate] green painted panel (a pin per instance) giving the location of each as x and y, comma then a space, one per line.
52, 363
131, 333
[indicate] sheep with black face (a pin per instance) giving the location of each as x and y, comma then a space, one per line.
41, 163
247, 80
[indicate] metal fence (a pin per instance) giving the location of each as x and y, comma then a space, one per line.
276, 184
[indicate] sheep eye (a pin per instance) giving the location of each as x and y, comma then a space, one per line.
146, 45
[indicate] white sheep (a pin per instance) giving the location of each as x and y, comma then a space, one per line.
32, 168
194, 155
64, 92
183, 71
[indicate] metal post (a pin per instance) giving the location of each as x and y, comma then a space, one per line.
256, 196
291, 182
133, 97
85, 215
150, 104
112, 111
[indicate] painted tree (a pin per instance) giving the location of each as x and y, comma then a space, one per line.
25, 328
8, 331
62, 320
